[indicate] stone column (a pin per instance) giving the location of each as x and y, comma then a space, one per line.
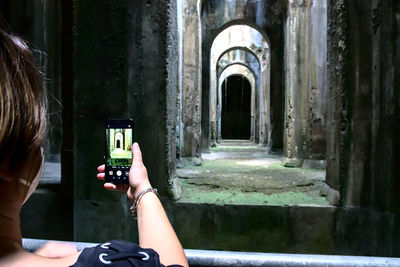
191, 81
364, 102
296, 47
264, 100
305, 135
315, 136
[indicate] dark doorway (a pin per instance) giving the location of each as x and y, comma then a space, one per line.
235, 117
118, 144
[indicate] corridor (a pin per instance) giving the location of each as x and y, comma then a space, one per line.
311, 85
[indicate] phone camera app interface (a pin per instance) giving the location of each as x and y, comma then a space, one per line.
119, 153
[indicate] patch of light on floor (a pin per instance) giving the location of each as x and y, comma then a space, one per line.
258, 162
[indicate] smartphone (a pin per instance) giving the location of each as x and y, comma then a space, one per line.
118, 156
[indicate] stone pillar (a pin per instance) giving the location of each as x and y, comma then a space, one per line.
364, 102
296, 47
315, 136
152, 87
191, 81
264, 101
305, 135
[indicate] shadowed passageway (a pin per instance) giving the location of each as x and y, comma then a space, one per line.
236, 94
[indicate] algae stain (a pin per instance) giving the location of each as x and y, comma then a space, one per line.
235, 196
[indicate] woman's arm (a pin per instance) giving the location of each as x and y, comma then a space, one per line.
155, 230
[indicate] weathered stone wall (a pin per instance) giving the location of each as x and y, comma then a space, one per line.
364, 102
125, 66
266, 15
318, 230
100, 92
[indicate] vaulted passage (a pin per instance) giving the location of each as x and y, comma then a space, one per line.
272, 122
236, 95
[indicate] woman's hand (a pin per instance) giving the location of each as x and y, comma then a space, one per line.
138, 179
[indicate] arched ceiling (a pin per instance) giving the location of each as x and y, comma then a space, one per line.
233, 56
238, 69
240, 36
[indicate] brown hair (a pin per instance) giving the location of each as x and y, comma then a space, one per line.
22, 105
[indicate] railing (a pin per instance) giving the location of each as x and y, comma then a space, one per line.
229, 258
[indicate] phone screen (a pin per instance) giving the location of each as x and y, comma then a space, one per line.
119, 139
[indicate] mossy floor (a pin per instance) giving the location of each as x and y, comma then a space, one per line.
239, 172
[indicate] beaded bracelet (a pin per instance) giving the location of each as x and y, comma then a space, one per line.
133, 208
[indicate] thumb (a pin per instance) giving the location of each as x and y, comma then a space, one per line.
136, 153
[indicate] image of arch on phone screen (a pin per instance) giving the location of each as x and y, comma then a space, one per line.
119, 140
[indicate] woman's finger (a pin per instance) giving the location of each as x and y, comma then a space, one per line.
101, 176
110, 186
101, 168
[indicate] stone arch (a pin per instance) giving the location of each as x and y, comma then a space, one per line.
239, 22
241, 64
227, 59
246, 72
216, 16
241, 36
118, 140
248, 59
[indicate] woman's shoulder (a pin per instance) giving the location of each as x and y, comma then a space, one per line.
12, 254
118, 253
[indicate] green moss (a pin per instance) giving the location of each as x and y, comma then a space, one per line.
249, 178
193, 194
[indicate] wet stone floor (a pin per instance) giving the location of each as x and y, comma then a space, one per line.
241, 172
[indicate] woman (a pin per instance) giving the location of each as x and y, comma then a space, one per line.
22, 132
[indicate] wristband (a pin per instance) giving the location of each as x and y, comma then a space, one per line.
133, 208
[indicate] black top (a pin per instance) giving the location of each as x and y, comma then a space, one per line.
119, 253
